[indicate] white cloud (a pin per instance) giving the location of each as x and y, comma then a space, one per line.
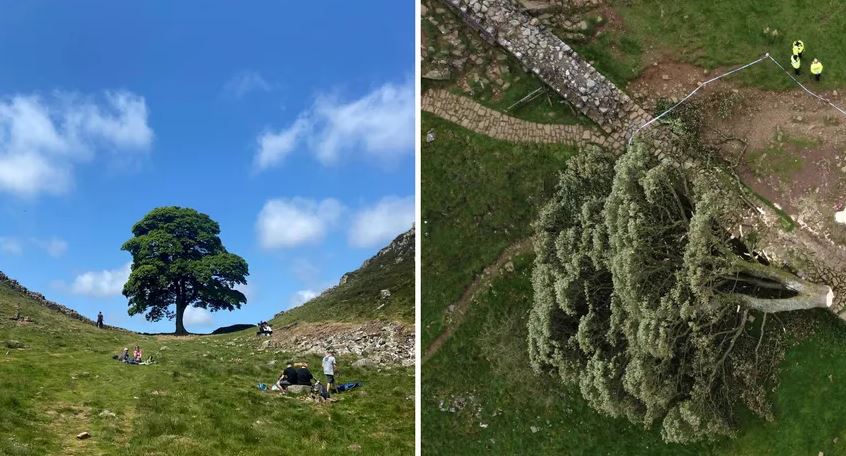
54, 247
292, 222
376, 225
301, 297
11, 245
101, 284
274, 147
197, 316
245, 82
380, 123
43, 138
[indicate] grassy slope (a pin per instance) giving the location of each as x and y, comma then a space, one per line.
730, 32
467, 207
359, 299
486, 355
200, 399
479, 197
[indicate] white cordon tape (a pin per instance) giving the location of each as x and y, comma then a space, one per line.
805, 88
764, 57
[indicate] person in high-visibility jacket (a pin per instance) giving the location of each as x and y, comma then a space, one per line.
796, 63
798, 48
816, 69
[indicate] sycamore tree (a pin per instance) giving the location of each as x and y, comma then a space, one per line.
179, 261
646, 303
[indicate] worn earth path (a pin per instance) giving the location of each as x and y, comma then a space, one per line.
479, 284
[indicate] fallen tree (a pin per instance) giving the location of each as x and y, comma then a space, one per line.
644, 300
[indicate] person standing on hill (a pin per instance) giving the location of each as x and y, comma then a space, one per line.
100, 320
796, 63
816, 69
798, 48
329, 369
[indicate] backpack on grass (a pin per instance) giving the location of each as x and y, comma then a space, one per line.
348, 386
319, 389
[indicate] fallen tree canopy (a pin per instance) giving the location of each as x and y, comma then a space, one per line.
646, 303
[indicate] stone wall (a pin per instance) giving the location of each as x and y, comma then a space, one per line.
40, 299
505, 23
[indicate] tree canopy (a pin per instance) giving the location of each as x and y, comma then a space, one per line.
646, 302
179, 260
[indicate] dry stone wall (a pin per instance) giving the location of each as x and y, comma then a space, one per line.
40, 299
505, 23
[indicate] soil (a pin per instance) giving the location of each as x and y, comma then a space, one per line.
789, 146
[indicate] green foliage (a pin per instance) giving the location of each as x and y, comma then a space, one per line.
642, 299
200, 399
178, 260
486, 364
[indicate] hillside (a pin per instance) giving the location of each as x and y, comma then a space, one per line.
381, 289
58, 379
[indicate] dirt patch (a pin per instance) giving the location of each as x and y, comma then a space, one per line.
789, 147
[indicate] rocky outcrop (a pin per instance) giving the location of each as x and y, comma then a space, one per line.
505, 23
381, 344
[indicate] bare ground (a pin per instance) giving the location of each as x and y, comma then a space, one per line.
789, 146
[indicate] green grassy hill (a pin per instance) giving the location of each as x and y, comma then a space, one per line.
359, 295
58, 379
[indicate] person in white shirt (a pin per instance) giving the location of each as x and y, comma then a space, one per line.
329, 369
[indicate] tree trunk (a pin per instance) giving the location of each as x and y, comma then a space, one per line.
809, 295
180, 328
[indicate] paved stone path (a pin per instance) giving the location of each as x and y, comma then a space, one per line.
473, 116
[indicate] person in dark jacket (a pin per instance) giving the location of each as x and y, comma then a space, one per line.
304, 376
288, 377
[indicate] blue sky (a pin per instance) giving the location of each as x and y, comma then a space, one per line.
290, 123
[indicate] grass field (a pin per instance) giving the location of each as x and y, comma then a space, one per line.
504, 409
480, 197
200, 399
724, 33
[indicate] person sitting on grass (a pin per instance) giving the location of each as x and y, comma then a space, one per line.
137, 354
304, 376
124, 355
288, 377
264, 329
